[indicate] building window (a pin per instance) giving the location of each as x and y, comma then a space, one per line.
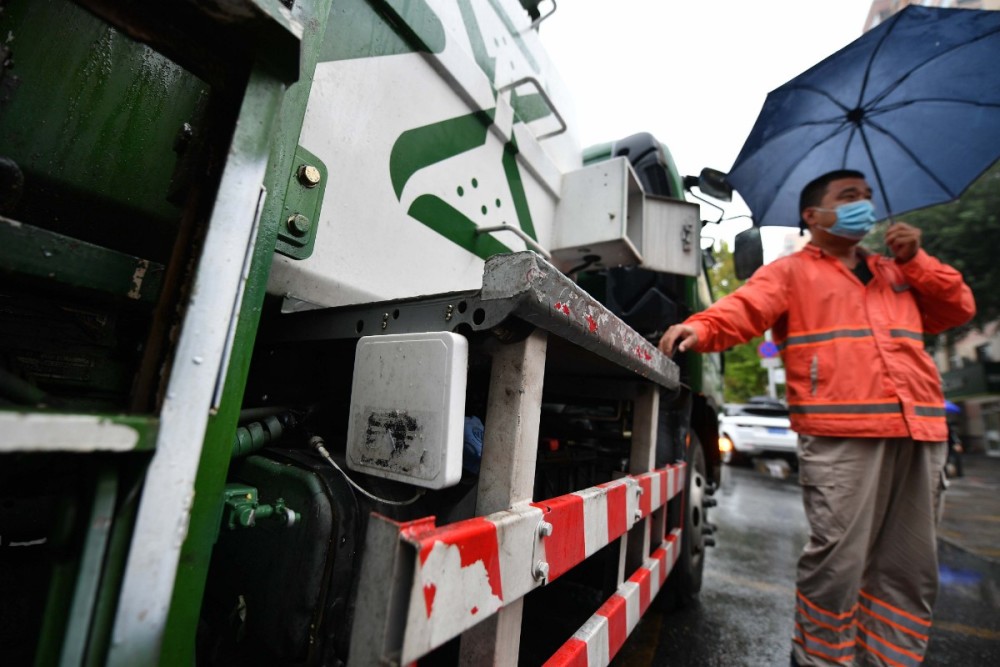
983, 353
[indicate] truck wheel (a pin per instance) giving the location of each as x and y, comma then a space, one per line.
684, 582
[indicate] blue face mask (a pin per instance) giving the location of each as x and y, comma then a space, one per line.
854, 220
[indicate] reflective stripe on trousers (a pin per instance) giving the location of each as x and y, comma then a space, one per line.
867, 579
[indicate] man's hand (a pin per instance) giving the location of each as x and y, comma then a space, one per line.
903, 241
681, 335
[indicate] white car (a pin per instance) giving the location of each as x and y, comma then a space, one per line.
759, 426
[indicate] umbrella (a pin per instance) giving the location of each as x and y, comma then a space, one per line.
914, 104
951, 408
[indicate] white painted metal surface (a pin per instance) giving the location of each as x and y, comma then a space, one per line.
369, 220
506, 480
599, 215
408, 407
604, 213
671, 236
464, 576
168, 493
602, 636
44, 432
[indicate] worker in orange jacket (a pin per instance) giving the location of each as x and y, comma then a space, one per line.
865, 399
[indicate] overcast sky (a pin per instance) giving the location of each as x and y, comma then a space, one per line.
694, 73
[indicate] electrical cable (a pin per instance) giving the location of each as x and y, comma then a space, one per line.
318, 444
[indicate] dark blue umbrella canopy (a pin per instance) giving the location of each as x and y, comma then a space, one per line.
914, 104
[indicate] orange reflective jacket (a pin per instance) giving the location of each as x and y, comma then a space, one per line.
854, 357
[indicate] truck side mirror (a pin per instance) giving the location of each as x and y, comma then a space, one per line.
714, 184
749, 253
711, 182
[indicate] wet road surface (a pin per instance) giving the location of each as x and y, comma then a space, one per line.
744, 614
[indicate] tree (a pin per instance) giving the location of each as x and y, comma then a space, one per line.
965, 234
743, 376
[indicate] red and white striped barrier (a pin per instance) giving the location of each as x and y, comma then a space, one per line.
604, 633
466, 571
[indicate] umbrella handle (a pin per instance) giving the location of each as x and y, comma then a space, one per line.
888, 253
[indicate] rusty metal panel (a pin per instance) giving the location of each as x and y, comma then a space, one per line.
520, 291
548, 299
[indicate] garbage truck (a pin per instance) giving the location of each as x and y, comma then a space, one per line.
324, 341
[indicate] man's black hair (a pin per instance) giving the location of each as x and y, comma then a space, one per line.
812, 194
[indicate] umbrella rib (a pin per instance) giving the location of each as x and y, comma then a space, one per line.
871, 59
818, 91
833, 120
912, 156
862, 114
922, 100
797, 162
871, 159
898, 82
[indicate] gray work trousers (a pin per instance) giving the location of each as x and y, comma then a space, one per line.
868, 577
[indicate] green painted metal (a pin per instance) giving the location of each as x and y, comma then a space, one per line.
486, 63
516, 185
19, 390
56, 613
94, 132
40, 253
253, 436
130, 476
357, 29
90, 118
206, 513
416, 21
303, 202
451, 223
147, 426
597, 153
241, 501
515, 35
260, 104
83, 587
430, 144
88, 580
423, 146
245, 509
530, 107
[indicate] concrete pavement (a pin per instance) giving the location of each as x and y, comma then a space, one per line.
971, 519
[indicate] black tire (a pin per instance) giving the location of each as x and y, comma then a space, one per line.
684, 583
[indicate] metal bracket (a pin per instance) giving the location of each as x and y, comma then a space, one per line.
537, 22
303, 203
545, 96
521, 234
